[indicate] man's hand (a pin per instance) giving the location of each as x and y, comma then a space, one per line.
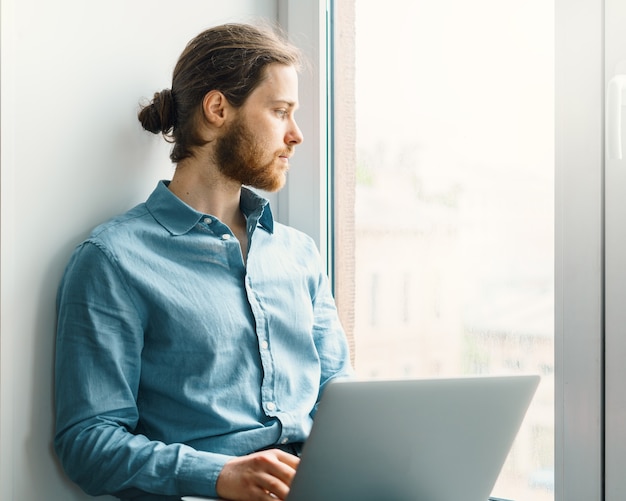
261, 476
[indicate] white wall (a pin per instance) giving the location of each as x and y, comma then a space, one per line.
73, 154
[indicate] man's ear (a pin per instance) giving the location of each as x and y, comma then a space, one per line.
215, 108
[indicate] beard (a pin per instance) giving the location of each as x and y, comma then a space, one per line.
241, 156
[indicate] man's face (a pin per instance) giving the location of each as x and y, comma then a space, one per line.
258, 142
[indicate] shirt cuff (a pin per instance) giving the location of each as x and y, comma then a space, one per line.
199, 472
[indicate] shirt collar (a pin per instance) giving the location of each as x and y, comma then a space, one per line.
179, 218
257, 207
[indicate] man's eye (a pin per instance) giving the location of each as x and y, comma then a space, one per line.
281, 113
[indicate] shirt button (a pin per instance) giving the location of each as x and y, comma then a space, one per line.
225, 236
264, 345
284, 440
208, 220
271, 406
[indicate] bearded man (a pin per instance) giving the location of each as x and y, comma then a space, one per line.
196, 334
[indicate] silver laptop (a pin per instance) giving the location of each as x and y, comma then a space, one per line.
412, 440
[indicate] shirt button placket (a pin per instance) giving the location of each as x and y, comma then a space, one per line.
267, 395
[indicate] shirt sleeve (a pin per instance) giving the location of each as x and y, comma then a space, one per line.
97, 373
330, 338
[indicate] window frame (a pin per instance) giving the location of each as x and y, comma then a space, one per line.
579, 260
615, 266
303, 203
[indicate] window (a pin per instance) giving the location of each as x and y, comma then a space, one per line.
589, 51
453, 186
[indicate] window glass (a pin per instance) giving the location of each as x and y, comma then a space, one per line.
454, 218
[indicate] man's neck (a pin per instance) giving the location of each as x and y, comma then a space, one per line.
210, 192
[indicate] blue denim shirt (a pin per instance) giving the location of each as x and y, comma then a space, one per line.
173, 355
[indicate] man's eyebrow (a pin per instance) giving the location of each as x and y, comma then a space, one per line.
287, 102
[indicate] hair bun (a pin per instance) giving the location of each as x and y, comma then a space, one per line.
159, 116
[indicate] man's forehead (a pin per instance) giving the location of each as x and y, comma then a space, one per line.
279, 85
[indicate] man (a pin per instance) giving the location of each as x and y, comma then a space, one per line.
195, 333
